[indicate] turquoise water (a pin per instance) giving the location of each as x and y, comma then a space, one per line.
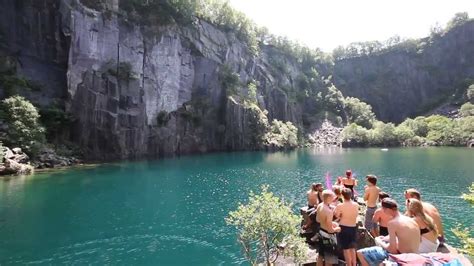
172, 211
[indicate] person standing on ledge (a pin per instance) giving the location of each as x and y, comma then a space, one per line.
314, 195
347, 212
325, 214
349, 182
403, 237
429, 210
371, 196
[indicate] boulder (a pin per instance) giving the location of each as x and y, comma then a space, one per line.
17, 151
8, 154
10, 167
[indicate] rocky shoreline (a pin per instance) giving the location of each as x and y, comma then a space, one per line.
16, 162
327, 135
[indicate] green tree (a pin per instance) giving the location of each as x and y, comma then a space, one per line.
458, 19
359, 112
403, 134
419, 126
282, 135
265, 223
24, 129
467, 109
442, 130
355, 135
383, 134
464, 234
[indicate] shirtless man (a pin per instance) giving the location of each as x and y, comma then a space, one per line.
404, 237
381, 218
312, 194
347, 213
371, 196
428, 209
327, 230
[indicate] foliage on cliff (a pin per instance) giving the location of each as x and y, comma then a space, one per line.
282, 135
22, 119
263, 224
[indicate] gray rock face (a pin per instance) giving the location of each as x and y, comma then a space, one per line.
402, 83
149, 90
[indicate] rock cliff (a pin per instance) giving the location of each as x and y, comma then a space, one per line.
143, 90
407, 81
138, 90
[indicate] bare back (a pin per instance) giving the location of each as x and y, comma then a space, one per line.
324, 217
431, 210
371, 196
312, 198
347, 212
404, 235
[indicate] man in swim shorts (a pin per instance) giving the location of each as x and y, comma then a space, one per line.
347, 239
403, 237
328, 229
381, 218
371, 196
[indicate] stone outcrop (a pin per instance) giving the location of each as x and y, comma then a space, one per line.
48, 158
326, 136
15, 162
142, 90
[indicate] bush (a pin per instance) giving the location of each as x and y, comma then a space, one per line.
464, 234
404, 134
419, 126
282, 135
383, 134
264, 223
355, 135
230, 81
359, 112
467, 109
55, 119
24, 129
470, 93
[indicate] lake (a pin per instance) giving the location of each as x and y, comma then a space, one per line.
171, 211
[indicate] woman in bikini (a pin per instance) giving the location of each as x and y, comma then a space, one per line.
428, 230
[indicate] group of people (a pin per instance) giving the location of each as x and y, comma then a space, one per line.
334, 213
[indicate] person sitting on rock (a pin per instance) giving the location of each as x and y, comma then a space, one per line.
371, 196
327, 241
347, 213
428, 230
403, 237
381, 218
429, 210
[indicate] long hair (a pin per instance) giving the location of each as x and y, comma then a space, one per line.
415, 208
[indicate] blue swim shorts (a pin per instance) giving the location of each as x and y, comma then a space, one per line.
374, 255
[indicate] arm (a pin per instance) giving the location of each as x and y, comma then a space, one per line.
366, 194
338, 212
392, 246
376, 218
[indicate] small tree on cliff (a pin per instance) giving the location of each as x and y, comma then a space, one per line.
22, 118
265, 223
463, 233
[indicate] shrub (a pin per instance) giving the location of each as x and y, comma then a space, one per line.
24, 129
464, 234
359, 112
467, 109
419, 126
383, 134
404, 134
282, 135
162, 118
470, 93
442, 130
263, 224
55, 119
230, 81
355, 135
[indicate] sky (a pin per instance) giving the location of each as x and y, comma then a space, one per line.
329, 23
